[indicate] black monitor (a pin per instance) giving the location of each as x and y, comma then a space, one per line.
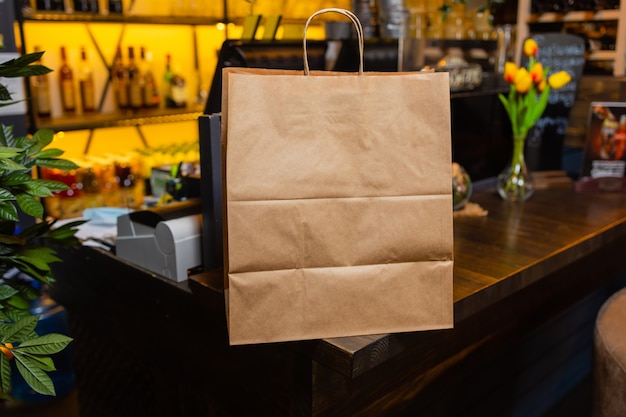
286, 55
379, 55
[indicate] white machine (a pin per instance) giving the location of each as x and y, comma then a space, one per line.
166, 240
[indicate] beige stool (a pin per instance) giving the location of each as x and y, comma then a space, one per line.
610, 358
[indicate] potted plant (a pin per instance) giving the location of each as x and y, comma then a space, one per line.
25, 250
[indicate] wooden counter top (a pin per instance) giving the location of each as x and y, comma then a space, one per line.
515, 269
499, 255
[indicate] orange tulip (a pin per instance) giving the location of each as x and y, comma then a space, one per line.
530, 47
559, 79
510, 69
536, 72
522, 81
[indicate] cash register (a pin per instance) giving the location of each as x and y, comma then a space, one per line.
165, 239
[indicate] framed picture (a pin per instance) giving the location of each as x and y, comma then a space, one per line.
605, 147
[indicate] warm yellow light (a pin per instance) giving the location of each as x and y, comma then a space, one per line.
220, 26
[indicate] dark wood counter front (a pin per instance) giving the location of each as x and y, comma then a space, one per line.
528, 280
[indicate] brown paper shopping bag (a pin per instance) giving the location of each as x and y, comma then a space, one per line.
338, 203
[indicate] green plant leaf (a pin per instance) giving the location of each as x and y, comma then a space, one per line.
6, 135
40, 139
44, 363
8, 211
6, 152
21, 66
15, 178
39, 255
49, 153
5, 374
11, 240
44, 345
61, 164
61, 234
11, 165
25, 267
19, 330
36, 378
7, 291
3, 317
19, 302
20, 61
53, 185
542, 102
6, 195
30, 205
4, 93
37, 189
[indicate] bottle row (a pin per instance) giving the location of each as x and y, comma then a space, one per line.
134, 84
124, 180
108, 184
565, 6
295, 9
84, 6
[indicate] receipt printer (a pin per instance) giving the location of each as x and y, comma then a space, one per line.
165, 240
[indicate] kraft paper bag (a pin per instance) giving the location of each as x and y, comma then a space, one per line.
338, 204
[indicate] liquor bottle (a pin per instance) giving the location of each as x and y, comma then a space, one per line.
175, 89
50, 5
119, 80
151, 96
88, 6
86, 83
116, 7
66, 84
41, 92
135, 84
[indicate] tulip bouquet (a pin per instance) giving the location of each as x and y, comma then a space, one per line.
527, 99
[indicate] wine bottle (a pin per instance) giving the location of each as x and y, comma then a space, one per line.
151, 96
86, 83
135, 84
88, 6
175, 89
116, 7
41, 92
119, 80
50, 5
66, 84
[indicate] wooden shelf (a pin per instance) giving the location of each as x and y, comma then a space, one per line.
532, 22
601, 56
116, 18
139, 118
574, 16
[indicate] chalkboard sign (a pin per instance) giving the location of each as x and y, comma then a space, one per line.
544, 143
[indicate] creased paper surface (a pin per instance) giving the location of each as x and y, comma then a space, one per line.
338, 204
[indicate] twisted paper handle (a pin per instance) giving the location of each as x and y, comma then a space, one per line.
357, 25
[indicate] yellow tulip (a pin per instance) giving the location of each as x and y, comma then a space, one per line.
522, 81
530, 47
559, 79
536, 72
510, 69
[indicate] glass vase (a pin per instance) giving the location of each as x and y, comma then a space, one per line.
515, 183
